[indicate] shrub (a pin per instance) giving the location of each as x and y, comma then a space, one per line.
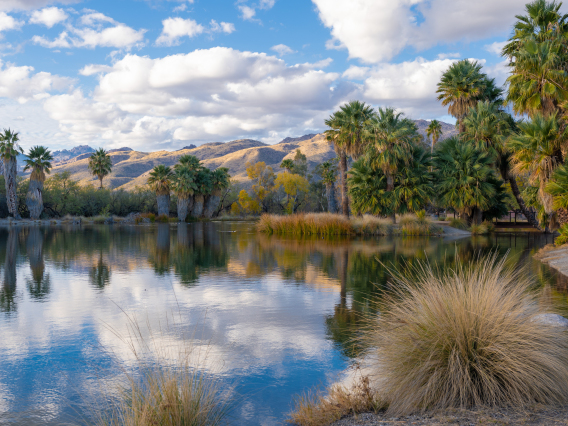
480, 229
465, 336
563, 237
489, 225
163, 218
458, 224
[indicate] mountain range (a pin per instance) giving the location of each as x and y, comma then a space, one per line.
131, 168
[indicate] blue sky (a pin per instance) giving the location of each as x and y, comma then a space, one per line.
161, 74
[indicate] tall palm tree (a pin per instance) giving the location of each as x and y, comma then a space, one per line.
9, 150
287, 164
488, 127
160, 180
465, 178
537, 151
462, 86
39, 162
184, 186
347, 133
100, 164
220, 180
204, 182
538, 83
329, 177
189, 161
434, 130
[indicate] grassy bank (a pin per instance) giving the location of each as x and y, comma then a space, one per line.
335, 224
466, 337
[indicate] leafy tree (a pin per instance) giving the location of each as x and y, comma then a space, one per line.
39, 162
9, 150
462, 86
184, 186
160, 181
347, 133
247, 203
263, 177
434, 130
100, 164
293, 185
465, 178
537, 151
300, 164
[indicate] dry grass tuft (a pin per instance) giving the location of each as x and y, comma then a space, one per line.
168, 386
480, 229
305, 224
459, 224
463, 337
372, 225
316, 409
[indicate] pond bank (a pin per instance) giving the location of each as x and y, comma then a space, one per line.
555, 257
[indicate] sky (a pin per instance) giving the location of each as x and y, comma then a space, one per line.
163, 74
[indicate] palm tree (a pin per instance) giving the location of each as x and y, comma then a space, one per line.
558, 188
220, 179
488, 127
328, 172
462, 86
160, 180
204, 182
183, 185
288, 165
538, 83
367, 189
189, 161
100, 164
465, 177
434, 130
537, 151
39, 162
347, 133
9, 150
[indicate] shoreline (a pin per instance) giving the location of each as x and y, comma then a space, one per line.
555, 257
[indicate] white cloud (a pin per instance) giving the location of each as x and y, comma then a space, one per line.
247, 13
175, 28
496, 47
377, 30
92, 69
8, 5
448, 55
48, 16
180, 8
223, 27
95, 32
8, 22
21, 84
282, 49
356, 73
203, 95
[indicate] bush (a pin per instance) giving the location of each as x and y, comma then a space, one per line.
163, 218
458, 224
563, 237
490, 226
480, 229
465, 336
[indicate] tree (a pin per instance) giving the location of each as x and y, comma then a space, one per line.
9, 150
100, 164
204, 182
189, 161
462, 86
558, 188
537, 151
328, 173
39, 162
434, 130
288, 165
488, 127
465, 178
184, 186
160, 180
263, 177
300, 164
347, 133
220, 179
293, 185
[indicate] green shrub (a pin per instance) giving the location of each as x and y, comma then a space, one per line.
563, 237
458, 224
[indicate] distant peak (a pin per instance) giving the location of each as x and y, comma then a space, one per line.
299, 139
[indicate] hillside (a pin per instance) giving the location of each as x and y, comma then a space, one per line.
131, 168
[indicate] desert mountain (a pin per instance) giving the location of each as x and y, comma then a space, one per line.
131, 168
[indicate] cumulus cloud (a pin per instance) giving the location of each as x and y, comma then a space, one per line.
203, 95
95, 30
8, 22
377, 30
48, 16
223, 27
176, 28
22, 84
249, 12
282, 49
496, 48
8, 5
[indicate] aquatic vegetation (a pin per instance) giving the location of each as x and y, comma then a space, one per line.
463, 337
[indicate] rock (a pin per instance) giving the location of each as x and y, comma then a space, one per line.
552, 319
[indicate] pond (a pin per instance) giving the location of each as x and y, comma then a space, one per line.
277, 314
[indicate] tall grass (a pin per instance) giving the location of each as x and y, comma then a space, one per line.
167, 386
465, 336
458, 224
372, 225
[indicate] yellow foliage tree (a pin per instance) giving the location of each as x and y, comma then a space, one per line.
293, 185
248, 204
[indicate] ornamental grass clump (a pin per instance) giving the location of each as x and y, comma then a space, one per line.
372, 225
305, 224
459, 224
465, 336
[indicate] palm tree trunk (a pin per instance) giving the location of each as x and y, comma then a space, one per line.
531, 219
198, 201
34, 199
211, 203
461, 125
343, 175
163, 204
182, 207
101, 179
10, 170
330, 195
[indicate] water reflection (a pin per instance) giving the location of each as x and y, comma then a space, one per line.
281, 313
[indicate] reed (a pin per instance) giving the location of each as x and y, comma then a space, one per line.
372, 225
465, 336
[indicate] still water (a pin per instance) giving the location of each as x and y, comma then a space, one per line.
277, 313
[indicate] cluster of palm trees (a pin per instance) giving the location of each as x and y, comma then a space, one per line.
198, 189
493, 153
